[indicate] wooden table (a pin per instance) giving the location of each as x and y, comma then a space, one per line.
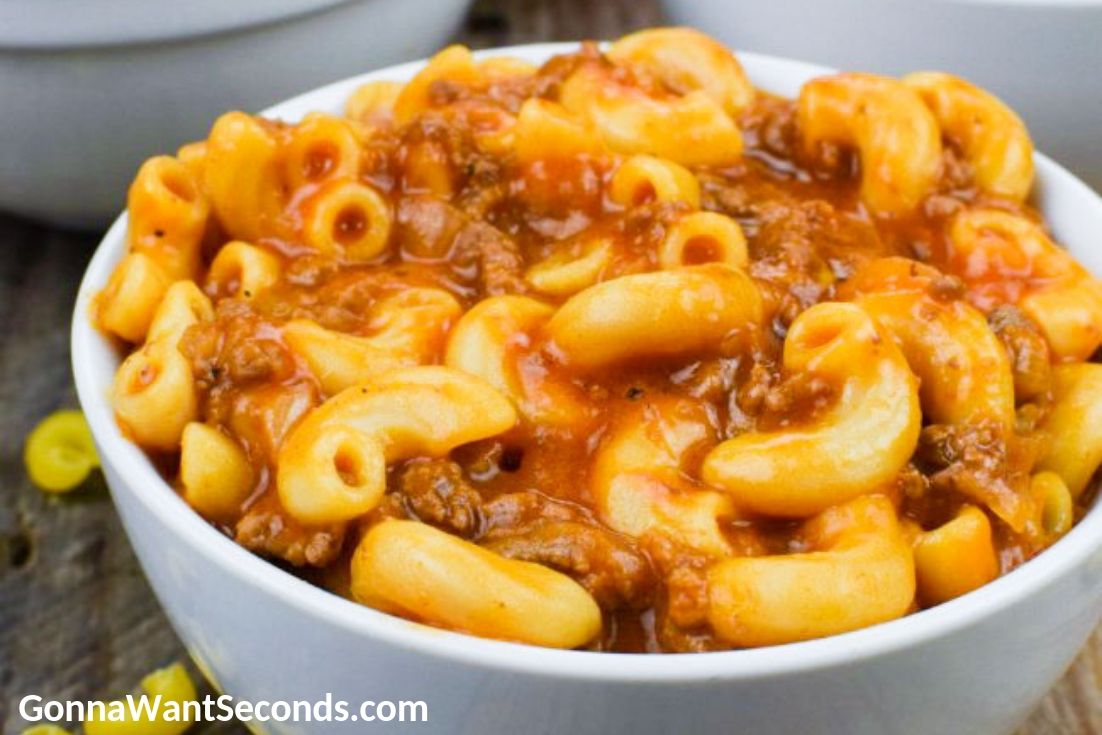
77, 619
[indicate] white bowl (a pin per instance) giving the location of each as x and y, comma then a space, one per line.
977, 664
91, 88
1044, 57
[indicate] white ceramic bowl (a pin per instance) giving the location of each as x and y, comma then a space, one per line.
1044, 57
90, 88
975, 665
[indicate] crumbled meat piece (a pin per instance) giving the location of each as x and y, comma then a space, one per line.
681, 615
262, 416
247, 377
425, 226
777, 129
687, 596
709, 380
745, 403
510, 511
431, 229
978, 462
500, 264
437, 492
768, 401
796, 398
939, 446
1030, 360
804, 238
957, 174
311, 270
236, 346
483, 187
912, 484
267, 529
672, 638
608, 566
941, 206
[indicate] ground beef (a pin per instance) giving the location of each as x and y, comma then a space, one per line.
531, 527
487, 259
510, 512
236, 347
1030, 360
437, 492
681, 613
811, 239
263, 416
975, 462
267, 529
499, 261
607, 565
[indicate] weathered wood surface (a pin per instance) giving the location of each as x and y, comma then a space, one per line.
77, 619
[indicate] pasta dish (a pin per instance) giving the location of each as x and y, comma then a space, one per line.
617, 352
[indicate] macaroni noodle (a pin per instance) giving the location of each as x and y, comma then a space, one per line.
615, 351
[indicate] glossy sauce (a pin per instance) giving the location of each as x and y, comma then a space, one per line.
526, 494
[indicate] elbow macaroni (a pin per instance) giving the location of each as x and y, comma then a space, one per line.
572, 269
703, 237
241, 176
454, 64
154, 394
321, 148
859, 573
623, 318
168, 216
243, 270
663, 313
171, 684
1055, 292
963, 370
373, 103
685, 61
887, 122
856, 446
641, 179
214, 471
126, 305
347, 219
992, 137
489, 340
692, 130
1056, 507
183, 305
639, 484
411, 568
955, 558
60, 452
1074, 425
333, 465
544, 130
411, 329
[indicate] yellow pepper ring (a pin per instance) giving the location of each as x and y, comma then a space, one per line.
60, 453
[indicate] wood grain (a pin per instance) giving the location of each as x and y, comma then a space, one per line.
77, 619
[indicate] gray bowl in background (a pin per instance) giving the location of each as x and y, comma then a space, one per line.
90, 88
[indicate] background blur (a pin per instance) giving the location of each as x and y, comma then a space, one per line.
77, 620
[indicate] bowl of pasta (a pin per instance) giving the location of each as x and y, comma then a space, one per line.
481, 377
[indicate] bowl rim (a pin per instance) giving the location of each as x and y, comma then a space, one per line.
137, 478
